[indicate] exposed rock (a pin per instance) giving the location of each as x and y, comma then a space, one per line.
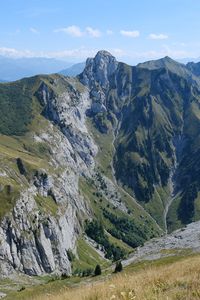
2, 295
181, 240
34, 241
99, 70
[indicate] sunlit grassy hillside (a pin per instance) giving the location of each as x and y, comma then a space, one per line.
169, 278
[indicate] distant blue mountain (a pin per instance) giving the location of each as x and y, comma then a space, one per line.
74, 70
14, 69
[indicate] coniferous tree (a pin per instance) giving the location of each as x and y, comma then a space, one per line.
118, 267
97, 270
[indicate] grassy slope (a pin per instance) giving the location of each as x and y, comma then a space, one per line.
173, 221
18, 140
171, 278
89, 194
105, 153
87, 257
34, 156
137, 216
104, 159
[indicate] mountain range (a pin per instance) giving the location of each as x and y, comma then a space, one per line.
106, 159
13, 69
73, 70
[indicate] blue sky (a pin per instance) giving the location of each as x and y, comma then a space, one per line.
132, 30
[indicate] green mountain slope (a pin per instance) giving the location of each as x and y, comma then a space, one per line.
49, 167
153, 110
112, 154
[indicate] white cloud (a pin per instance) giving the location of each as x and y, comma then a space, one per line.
132, 34
34, 30
76, 31
14, 53
75, 54
81, 53
73, 30
93, 32
109, 32
118, 52
160, 36
156, 54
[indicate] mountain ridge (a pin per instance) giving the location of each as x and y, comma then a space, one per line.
103, 153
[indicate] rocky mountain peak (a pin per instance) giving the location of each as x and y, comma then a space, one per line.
104, 55
99, 69
165, 62
167, 58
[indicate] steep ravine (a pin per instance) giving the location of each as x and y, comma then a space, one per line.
178, 143
170, 200
115, 135
120, 187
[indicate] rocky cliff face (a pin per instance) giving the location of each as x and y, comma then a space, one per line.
34, 238
194, 68
33, 243
118, 144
